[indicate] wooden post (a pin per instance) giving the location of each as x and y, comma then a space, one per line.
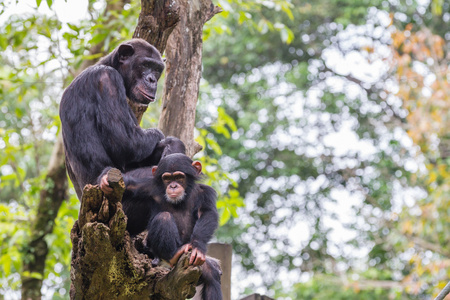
222, 252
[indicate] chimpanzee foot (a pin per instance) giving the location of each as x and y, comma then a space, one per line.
155, 262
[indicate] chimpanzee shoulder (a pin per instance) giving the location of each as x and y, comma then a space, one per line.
95, 75
207, 193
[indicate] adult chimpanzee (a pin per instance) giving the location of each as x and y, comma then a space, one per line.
178, 213
98, 126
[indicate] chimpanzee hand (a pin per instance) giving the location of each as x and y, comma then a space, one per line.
197, 257
104, 185
183, 249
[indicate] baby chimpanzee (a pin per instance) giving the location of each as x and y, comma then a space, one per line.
179, 214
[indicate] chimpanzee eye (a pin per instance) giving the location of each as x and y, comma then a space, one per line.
179, 177
166, 178
154, 65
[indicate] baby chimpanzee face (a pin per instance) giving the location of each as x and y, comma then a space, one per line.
175, 184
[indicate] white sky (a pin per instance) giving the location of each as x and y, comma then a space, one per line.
70, 11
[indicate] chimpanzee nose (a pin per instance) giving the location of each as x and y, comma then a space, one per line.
151, 78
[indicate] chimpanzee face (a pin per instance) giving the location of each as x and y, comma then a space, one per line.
175, 184
141, 67
176, 175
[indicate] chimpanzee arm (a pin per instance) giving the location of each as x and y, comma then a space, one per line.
208, 218
135, 180
123, 139
167, 146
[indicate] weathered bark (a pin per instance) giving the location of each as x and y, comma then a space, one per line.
183, 72
157, 21
108, 264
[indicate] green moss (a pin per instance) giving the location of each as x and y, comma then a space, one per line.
123, 278
114, 271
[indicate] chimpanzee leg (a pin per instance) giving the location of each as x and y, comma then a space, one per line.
210, 279
163, 237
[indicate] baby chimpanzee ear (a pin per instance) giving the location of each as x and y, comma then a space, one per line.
198, 166
154, 170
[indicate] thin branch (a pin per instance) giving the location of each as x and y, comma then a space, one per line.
444, 292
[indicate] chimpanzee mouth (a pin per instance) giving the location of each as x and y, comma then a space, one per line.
146, 96
175, 198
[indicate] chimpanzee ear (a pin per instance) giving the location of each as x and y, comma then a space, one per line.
125, 51
198, 166
154, 170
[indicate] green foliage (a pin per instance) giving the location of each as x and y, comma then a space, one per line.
229, 199
252, 15
331, 287
286, 110
436, 6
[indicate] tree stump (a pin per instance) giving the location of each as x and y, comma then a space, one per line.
106, 261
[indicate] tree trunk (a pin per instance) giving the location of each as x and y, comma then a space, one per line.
183, 72
50, 201
157, 21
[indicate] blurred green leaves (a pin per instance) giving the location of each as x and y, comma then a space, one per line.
229, 199
251, 15
287, 99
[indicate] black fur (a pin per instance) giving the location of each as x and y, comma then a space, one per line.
99, 129
210, 279
169, 225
